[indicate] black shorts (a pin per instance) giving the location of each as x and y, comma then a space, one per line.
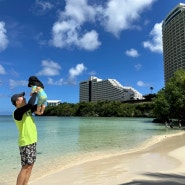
28, 154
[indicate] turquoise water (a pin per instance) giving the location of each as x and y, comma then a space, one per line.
64, 140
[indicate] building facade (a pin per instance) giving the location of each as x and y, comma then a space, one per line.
173, 31
53, 102
95, 89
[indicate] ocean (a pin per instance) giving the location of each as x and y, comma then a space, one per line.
65, 141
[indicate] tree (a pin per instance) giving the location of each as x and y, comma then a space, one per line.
175, 94
151, 88
170, 101
161, 106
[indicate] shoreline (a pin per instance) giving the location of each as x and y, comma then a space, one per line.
162, 154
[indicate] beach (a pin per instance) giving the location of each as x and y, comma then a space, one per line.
98, 151
159, 160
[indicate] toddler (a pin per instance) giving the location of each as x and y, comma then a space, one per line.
38, 87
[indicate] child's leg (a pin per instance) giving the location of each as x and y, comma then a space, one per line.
38, 111
42, 109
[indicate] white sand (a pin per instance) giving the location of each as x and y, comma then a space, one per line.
160, 161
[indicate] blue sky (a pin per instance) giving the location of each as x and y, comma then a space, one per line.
66, 42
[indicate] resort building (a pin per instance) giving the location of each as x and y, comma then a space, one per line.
96, 89
53, 102
173, 31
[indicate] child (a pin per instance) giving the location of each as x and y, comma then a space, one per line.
38, 87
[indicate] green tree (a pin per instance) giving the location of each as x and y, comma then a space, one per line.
170, 101
161, 106
175, 94
151, 88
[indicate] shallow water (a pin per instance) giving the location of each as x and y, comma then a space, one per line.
68, 140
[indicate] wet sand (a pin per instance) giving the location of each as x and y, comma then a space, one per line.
159, 161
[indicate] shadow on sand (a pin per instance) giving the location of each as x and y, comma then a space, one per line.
160, 179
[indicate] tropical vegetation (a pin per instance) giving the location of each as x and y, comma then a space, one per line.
102, 109
168, 103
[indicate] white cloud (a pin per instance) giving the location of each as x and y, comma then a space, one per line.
138, 67
50, 68
142, 84
42, 7
57, 82
132, 53
79, 11
89, 41
73, 72
114, 15
2, 70
155, 44
66, 32
17, 83
120, 15
3, 37
92, 73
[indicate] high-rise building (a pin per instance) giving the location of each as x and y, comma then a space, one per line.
173, 30
96, 89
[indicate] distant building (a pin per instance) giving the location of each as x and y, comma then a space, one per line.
173, 30
96, 89
53, 102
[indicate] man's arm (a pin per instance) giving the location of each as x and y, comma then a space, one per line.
34, 108
18, 113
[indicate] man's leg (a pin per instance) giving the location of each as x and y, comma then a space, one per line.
24, 175
28, 157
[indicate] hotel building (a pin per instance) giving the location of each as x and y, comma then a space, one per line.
173, 31
96, 89
53, 102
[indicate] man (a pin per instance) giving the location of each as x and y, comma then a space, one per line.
27, 130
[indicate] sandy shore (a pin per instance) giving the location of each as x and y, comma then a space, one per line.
160, 161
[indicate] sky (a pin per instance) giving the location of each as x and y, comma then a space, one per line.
64, 42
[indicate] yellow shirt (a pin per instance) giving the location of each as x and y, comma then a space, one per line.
27, 129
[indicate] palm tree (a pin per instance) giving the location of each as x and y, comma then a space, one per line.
151, 88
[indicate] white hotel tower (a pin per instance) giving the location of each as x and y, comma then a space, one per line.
173, 30
96, 89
